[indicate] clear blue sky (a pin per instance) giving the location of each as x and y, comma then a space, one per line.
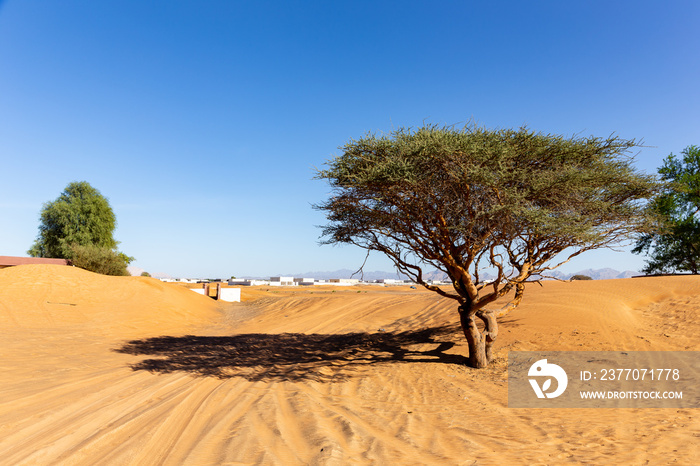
202, 121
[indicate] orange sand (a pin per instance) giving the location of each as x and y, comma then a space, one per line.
323, 397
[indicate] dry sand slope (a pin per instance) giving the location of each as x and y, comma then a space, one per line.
315, 376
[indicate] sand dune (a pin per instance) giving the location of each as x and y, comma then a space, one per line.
127, 370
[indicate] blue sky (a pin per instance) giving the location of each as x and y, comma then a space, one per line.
202, 122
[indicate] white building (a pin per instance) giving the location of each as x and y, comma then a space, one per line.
304, 281
247, 282
179, 280
282, 281
188, 280
438, 282
391, 281
344, 281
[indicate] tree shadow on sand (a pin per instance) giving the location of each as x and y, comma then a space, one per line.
292, 356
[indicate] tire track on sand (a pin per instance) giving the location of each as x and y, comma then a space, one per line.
377, 434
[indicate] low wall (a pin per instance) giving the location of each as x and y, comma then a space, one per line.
231, 295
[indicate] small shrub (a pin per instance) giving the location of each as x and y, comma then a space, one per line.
581, 277
100, 260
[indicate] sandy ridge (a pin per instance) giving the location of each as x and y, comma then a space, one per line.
68, 398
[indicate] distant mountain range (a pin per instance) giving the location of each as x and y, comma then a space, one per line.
366, 276
595, 274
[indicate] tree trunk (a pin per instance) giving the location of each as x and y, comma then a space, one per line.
478, 355
481, 343
490, 331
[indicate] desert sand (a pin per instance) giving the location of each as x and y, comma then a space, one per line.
318, 375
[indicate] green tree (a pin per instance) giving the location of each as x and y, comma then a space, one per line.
675, 246
462, 201
79, 225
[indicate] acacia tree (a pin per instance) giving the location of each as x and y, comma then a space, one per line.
79, 225
675, 246
464, 201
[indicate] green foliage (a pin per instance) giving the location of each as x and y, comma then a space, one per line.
79, 225
145, 274
100, 260
80, 215
581, 277
675, 246
463, 200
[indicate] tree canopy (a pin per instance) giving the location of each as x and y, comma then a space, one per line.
79, 225
464, 201
675, 246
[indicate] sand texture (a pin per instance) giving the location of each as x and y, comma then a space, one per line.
100, 370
